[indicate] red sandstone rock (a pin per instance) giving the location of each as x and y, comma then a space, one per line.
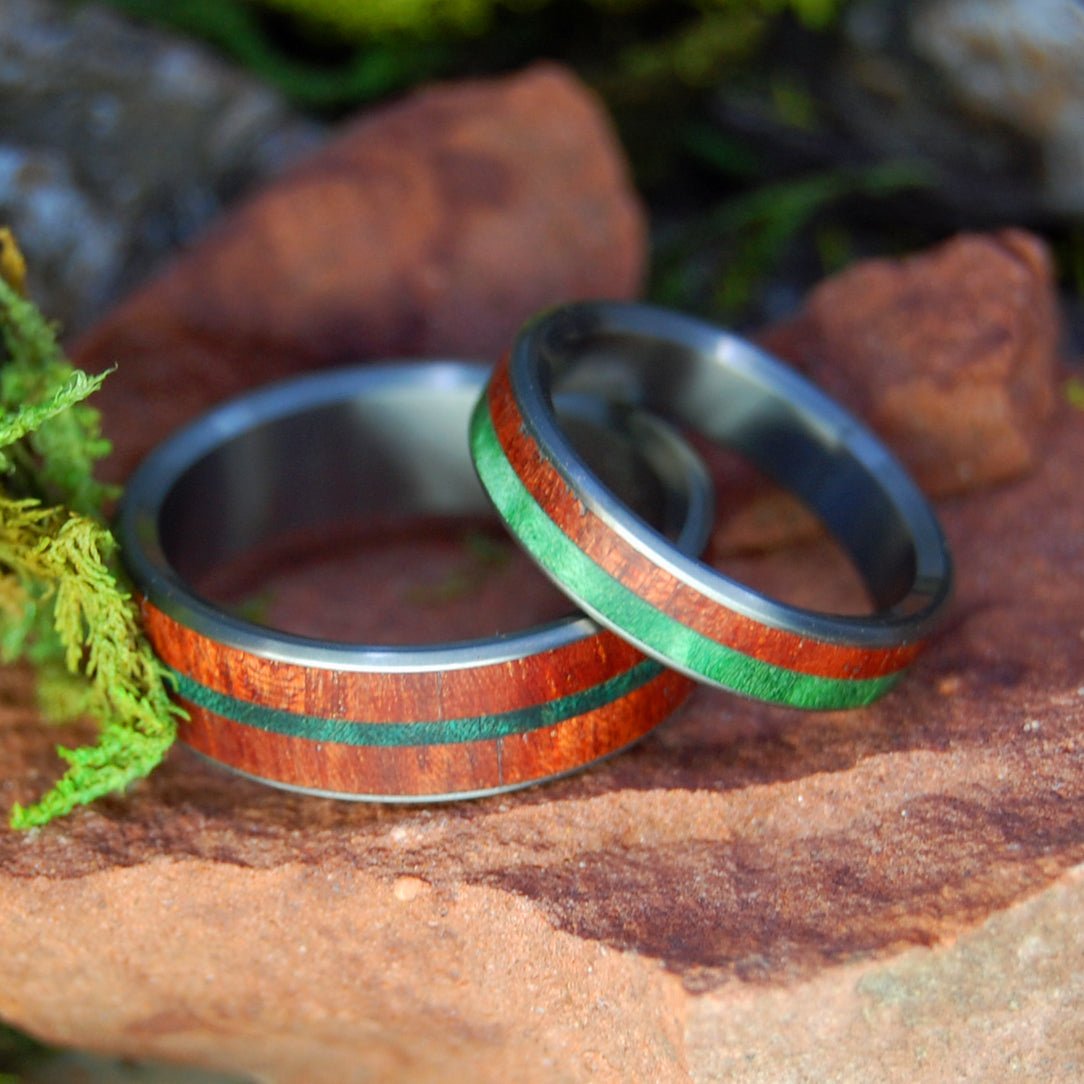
752, 894
749, 893
948, 354
431, 227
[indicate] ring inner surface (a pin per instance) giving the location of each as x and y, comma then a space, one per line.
399, 455
712, 388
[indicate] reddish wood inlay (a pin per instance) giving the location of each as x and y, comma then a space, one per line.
438, 769
429, 696
654, 584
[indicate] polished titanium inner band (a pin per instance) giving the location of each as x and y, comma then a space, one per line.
675, 608
368, 721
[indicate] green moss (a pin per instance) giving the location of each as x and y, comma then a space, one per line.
354, 21
62, 563
64, 606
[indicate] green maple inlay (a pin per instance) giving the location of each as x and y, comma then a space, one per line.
443, 732
628, 613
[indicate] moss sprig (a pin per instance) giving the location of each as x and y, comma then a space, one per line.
65, 606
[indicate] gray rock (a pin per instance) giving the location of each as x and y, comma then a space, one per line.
1020, 63
75, 246
988, 95
119, 143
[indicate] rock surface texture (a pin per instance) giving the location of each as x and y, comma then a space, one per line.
430, 228
949, 355
989, 89
1016, 64
750, 894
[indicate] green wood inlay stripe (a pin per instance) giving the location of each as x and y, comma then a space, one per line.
445, 732
648, 626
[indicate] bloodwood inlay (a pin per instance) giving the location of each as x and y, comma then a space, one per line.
441, 769
643, 600
657, 585
393, 733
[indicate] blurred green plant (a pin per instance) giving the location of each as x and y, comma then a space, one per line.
333, 54
313, 77
720, 260
355, 21
18, 1052
1069, 256
64, 607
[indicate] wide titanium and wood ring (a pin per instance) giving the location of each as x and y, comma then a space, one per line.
675, 608
367, 721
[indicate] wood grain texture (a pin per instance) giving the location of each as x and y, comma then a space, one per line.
437, 770
418, 732
655, 584
406, 696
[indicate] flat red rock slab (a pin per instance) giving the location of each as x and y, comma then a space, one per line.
736, 842
749, 841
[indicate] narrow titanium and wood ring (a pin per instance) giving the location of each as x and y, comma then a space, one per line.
672, 606
367, 721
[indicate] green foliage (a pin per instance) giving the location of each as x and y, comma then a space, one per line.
334, 54
63, 605
369, 71
1074, 392
62, 560
375, 18
728, 252
18, 1052
48, 443
355, 21
695, 53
